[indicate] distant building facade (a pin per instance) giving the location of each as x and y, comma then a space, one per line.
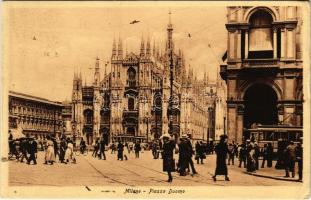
264, 68
131, 102
34, 115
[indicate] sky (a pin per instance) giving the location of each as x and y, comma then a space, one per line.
46, 42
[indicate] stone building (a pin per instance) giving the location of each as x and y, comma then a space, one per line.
264, 68
34, 115
131, 101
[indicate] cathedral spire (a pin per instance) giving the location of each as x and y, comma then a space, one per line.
154, 49
142, 47
114, 48
97, 73
120, 49
148, 48
169, 45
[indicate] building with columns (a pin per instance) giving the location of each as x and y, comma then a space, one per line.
131, 101
264, 68
34, 116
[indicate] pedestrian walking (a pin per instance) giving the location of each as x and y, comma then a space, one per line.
199, 150
221, 150
269, 155
23, 149
137, 149
251, 162
256, 155
191, 152
82, 146
56, 152
299, 154
290, 158
264, 153
242, 155
168, 155
96, 148
32, 150
235, 146
154, 148
49, 153
120, 149
102, 146
231, 153
183, 160
113, 148
69, 154
62, 149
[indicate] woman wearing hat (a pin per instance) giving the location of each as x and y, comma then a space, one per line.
221, 151
49, 154
168, 155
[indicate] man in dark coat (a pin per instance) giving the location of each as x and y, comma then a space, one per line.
221, 150
168, 156
62, 149
102, 154
82, 146
23, 149
137, 149
269, 154
120, 149
183, 160
290, 158
199, 148
299, 155
242, 155
264, 153
56, 152
32, 150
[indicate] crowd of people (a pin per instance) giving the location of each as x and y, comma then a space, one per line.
247, 154
26, 148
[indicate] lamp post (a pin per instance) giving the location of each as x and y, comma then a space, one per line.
171, 93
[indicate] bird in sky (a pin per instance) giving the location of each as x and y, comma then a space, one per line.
34, 38
134, 22
189, 35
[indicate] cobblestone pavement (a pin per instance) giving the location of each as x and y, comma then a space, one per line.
144, 171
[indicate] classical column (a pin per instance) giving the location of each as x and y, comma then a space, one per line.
246, 44
274, 43
283, 44
239, 45
239, 129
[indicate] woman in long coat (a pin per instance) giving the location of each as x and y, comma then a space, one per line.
168, 156
49, 154
251, 161
69, 155
221, 151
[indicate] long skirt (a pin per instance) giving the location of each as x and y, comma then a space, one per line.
49, 154
221, 166
69, 155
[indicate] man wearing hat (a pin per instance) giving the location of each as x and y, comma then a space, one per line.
32, 150
183, 160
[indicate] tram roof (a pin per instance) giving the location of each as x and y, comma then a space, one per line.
276, 128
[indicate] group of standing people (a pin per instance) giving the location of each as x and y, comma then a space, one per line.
23, 148
64, 151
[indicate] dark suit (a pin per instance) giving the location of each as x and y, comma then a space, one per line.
32, 150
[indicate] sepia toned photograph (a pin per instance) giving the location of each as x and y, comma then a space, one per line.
129, 98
